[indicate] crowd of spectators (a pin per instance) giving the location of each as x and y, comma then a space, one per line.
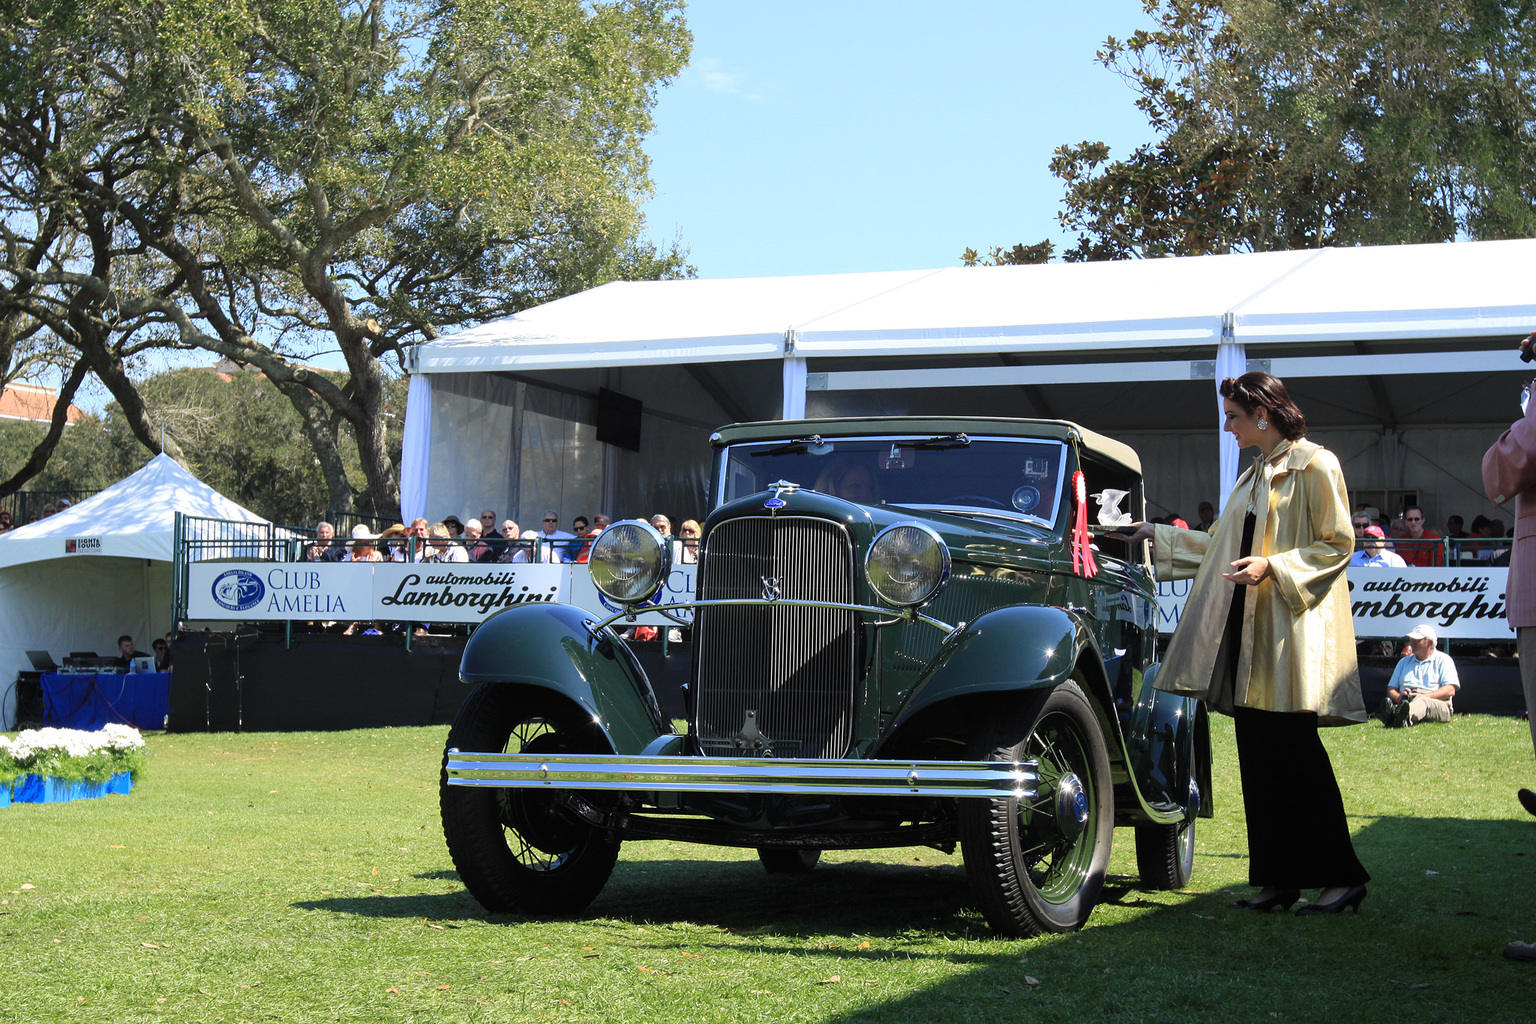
484, 540
53, 508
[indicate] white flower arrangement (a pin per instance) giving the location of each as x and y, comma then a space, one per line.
72, 754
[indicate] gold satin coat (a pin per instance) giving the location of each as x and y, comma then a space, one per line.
1297, 619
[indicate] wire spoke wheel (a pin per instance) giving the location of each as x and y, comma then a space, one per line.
1038, 865
514, 849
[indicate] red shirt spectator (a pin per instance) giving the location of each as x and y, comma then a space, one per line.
1419, 546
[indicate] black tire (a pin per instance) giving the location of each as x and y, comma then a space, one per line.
788, 860
1165, 855
514, 852
1038, 865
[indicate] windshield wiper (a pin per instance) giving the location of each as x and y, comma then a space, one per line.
942, 441
799, 446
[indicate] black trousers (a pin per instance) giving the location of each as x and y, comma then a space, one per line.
1298, 837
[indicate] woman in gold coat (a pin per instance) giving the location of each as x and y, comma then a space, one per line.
1267, 637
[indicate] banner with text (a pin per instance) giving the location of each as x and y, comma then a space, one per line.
1463, 603
679, 587
363, 591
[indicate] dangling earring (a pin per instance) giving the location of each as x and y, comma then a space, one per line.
1263, 423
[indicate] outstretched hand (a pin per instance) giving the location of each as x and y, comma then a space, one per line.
1248, 571
1143, 531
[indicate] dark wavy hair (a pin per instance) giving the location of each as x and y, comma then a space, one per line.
1252, 390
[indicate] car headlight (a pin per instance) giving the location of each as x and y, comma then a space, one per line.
907, 564
630, 561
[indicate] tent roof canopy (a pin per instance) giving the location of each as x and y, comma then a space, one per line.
1453, 290
134, 518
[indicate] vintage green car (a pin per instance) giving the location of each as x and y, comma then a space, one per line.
906, 632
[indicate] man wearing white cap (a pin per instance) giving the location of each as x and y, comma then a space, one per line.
1423, 684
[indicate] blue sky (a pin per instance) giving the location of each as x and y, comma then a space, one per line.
848, 135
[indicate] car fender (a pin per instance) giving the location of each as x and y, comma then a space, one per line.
1012, 649
1161, 747
551, 647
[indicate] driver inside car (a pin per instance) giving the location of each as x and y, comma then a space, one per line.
851, 481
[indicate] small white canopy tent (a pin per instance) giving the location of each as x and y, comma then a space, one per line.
80, 579
1402, 357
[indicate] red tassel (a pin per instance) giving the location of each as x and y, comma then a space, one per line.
1083, 562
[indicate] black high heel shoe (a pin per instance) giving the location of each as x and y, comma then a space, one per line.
1284, 898
1350, 900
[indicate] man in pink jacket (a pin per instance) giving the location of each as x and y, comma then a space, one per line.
1509, 472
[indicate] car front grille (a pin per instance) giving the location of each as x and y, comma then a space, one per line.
774, 680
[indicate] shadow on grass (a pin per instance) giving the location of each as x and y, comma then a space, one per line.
1463, 887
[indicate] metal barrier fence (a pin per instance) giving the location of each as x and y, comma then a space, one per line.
25, 505
346, 522
200, 539
1430, 552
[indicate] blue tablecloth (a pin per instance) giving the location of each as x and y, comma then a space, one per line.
89, 701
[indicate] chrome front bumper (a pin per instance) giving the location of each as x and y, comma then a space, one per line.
682, 774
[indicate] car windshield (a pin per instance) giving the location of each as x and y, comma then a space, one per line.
1013, 478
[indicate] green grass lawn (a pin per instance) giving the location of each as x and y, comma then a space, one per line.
302, 877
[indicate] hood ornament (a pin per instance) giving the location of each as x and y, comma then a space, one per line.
779, 489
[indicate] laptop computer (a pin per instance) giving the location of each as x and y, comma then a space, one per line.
42, 661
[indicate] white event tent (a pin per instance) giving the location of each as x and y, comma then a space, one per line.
79, 579
1401, 356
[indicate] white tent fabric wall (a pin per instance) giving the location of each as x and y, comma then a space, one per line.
414, 470
1231, 361
1387, 338
84, 604
518, 448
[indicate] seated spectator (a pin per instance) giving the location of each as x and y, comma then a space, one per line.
585, 553
689, 533
1423, 684
455, 528
416, 541
1207, 514
162, 650
580, 525
491, 536
364, 546
553, 546
325, 547
50, 509
475, 545
392, 543
512, 549
532, 546
1420, 545
663, 526
600, 522
126, 652
1454, 527
1360, 522
6, 523
1374, 554
1484, 547
443, 547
